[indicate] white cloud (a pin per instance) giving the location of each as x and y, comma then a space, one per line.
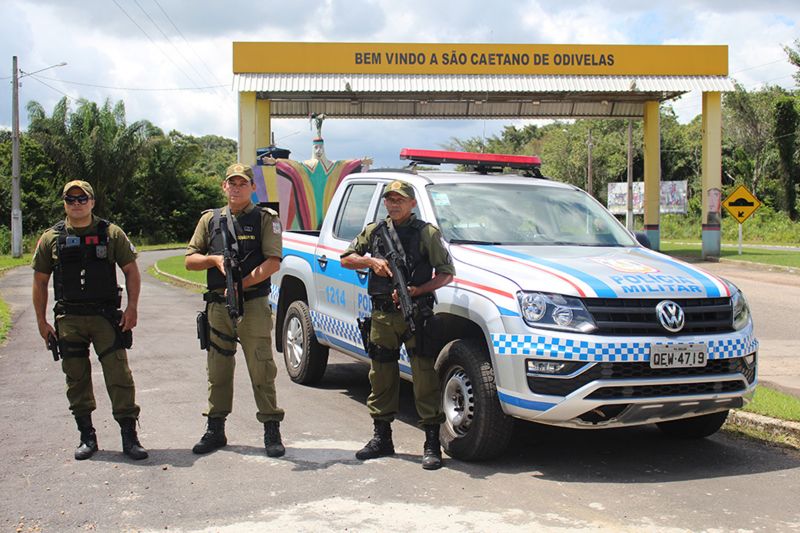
104, 47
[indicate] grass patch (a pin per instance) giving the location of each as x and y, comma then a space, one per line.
164, 246
770, 402
786, 258
5, 320
174, 266
6, 261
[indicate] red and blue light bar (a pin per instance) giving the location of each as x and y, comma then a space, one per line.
473, 159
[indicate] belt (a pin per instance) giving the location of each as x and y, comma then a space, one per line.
218, 297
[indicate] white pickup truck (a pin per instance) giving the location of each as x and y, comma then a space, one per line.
556, 315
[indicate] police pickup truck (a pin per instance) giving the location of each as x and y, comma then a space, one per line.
556, 315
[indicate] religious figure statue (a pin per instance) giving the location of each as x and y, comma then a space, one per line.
311, 183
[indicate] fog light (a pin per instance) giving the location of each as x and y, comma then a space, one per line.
545, 367
750, 359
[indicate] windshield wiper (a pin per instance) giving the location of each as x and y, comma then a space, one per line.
470, 241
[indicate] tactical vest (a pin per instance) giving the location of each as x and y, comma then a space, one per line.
418, 264
83, 272
248, 236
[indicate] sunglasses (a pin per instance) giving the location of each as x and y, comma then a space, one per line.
82, 199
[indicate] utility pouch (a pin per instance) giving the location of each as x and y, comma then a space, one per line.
364, 324
203, 330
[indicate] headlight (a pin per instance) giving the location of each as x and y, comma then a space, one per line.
741, 311
554, 311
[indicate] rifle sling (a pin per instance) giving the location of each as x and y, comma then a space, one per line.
396, 241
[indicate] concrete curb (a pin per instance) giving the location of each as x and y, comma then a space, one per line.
176, 278
772, 426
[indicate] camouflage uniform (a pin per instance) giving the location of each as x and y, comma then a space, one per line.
254, 330
389, 328
76, 329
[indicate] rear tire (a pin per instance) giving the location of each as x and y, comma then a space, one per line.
475, 426
305, 358
696, 427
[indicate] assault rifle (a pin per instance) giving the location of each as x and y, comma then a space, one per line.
234, 293
397, 265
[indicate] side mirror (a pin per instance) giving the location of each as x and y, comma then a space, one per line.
643, 239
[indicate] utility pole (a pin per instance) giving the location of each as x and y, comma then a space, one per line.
16, 212
629, 211
589, 187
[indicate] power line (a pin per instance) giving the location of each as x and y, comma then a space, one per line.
187, 42
155, 44
51, 87
146, 89
158, 27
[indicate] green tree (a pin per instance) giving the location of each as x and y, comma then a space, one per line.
94, 144
748, 138
786, 121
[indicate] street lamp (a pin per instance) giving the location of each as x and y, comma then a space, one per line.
16, 212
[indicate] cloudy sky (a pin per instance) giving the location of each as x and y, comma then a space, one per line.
170, 60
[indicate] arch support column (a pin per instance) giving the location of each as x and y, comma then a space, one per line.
254, 126
652, 172
712, 174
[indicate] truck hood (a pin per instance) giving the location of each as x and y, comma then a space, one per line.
592, 272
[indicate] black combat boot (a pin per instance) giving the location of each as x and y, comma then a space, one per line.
432, 449
130, 441
88, 444
381, 444
272, 439
213, 438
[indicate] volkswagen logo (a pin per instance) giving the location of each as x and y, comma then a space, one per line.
670, 315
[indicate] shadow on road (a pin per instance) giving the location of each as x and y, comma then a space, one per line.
629, 455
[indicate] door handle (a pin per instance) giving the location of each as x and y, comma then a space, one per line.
362, 273
322, 260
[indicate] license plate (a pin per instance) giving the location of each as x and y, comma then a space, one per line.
678, 355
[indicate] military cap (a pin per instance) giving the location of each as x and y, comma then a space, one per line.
82, 185
238, 169
400, 187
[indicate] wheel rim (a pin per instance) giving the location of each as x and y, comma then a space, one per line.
458, 402
294, 342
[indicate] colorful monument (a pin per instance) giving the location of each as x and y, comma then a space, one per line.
304, 189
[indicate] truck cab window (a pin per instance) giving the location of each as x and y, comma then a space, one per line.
351, 217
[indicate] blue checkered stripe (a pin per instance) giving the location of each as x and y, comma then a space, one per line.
578, 350
346, 331
274, 294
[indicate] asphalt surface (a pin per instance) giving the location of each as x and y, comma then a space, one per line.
550, 479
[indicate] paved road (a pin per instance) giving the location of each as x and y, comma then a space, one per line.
774, 298
550, 480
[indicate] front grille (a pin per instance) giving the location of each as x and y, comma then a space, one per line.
654, 391
629, 316
564, 387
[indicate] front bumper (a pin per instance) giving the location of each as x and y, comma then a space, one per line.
611, 384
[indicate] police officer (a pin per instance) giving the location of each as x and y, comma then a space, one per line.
254, 236
82, 252
425, 254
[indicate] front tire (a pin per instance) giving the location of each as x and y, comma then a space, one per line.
696, 427
305, 358
475, 426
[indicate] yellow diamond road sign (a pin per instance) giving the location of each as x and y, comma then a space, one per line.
741, 204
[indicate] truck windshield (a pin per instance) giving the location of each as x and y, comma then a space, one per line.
518, 213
